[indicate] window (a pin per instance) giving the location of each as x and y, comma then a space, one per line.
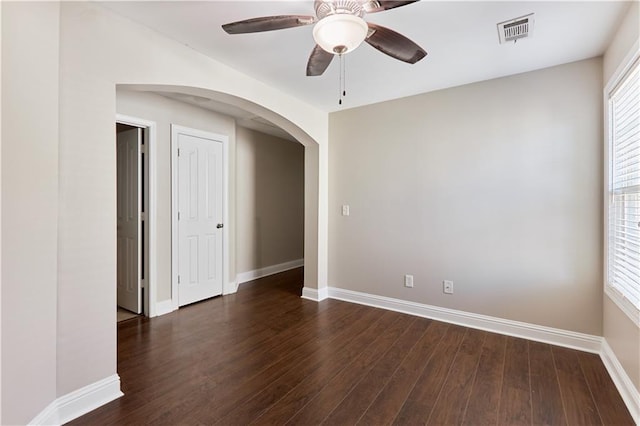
623, 228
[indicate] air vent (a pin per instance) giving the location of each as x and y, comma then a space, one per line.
515, 29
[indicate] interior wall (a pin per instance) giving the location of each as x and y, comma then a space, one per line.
270, 200
122, 52
494, 185
622, 335
164, 112
29, 207
0, 216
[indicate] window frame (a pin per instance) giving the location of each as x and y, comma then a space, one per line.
616, 79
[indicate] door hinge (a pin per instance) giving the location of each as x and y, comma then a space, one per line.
178, 215
178, 279
142, 284
143, 216
143, 149
178, 152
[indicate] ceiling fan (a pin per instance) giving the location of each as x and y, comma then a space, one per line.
339, 28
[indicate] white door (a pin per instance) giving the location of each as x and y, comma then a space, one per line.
128, 211
200, 213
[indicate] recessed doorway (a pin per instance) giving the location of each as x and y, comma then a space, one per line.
132, 230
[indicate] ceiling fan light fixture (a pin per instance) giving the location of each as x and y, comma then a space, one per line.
340, 33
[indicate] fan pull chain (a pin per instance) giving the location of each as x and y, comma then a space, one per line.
343, 80
344, 77
340, 81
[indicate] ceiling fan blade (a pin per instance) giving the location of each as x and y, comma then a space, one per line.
267, 23
380, 5
394, 44
318, 62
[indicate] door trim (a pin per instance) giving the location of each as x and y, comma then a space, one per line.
150, 224
175, 131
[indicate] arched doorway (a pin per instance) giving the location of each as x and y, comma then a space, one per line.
312, 237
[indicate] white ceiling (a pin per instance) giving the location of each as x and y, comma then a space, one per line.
460, 37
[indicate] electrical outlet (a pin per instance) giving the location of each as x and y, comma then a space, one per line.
447, 286
408, 281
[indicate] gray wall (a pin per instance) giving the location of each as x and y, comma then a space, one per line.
495, 185
270, 200
29, 208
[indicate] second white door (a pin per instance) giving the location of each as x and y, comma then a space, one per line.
128, 211
200, 218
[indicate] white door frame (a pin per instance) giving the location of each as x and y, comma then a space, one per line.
175, 131
150, 222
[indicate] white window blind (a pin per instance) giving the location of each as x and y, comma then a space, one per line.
624, 186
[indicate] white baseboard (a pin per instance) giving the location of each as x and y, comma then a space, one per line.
243, 277
317, 295
628, 391
168, 306
80, 402
538, 333
164, 307
230, 288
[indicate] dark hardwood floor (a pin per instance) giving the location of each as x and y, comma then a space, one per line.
266, 356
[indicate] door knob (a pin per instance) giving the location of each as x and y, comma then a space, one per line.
220, 225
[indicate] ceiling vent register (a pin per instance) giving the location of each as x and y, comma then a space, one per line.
515, 29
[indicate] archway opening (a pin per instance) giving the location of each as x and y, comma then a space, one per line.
200, 97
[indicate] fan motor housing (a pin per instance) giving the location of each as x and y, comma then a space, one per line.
331, 7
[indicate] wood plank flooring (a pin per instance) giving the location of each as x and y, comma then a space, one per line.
264, 356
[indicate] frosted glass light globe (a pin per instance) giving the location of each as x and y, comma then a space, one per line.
340, 33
